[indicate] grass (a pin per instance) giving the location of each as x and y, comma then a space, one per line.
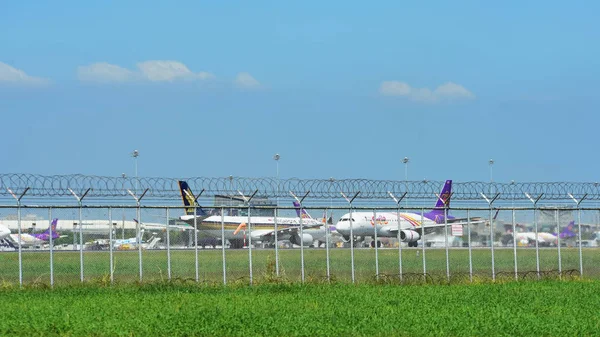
547, 308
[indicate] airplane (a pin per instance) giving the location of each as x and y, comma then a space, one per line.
235, 228
5, 240
544, 238
411, 225
4, 232
28, 240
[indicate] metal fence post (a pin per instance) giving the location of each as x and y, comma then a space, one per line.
223, 245
376, 244
18, 199
423, 244
397, 201
514, 228
327, 243
249, 226
138, 229
445, 203
79, 200
51, 243
110, 246
491, 220
301, 233
276, 237
169, 275
578, 202
537, 246
470, 247
351, 235
196, 260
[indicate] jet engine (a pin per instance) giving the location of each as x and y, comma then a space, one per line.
307, 239
409, 236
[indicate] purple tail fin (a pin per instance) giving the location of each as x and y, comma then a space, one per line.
52, 228
304, 214
568, 231
445, 195
50, 231
437, 214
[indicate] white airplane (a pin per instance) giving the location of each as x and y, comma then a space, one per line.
543, 238
29, 240
127, 244
410, 225
4, 232
263, 227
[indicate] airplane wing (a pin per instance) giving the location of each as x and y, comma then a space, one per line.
283, 232
394, 229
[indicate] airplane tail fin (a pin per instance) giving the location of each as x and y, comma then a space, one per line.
52, 228
568, 231
444, 199
189, 200
305, 215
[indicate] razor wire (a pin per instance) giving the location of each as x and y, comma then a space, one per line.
167, 188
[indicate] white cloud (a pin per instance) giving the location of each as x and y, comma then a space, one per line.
104, 73
153, 71
246, 80
12, 75
158, 71
447, 91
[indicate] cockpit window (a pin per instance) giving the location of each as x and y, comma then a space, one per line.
346, 219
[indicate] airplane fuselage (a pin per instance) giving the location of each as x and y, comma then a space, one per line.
385, 224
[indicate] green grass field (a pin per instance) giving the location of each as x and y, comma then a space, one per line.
544, 308
36, 265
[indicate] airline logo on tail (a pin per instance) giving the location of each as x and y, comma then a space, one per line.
50, 231
444, 199
189, 199
304, 214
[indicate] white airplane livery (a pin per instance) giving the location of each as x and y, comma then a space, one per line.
409, 227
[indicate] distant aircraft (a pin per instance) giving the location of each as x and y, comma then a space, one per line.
37, 239
316, 234
411, 225
235, 227
132, 243
4, 232
5, 241
544, 238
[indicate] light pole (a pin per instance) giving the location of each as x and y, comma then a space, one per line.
405, 161
491, 162
135, 154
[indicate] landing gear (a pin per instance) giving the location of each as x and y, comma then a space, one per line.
236, 243
373, 244
413, 244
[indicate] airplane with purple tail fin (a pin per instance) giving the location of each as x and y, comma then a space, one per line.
408, 227
39, 238
543, 238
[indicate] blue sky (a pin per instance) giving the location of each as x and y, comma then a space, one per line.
338, 89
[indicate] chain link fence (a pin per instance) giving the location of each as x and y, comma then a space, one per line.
236, 245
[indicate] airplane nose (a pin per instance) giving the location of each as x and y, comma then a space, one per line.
342, 228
